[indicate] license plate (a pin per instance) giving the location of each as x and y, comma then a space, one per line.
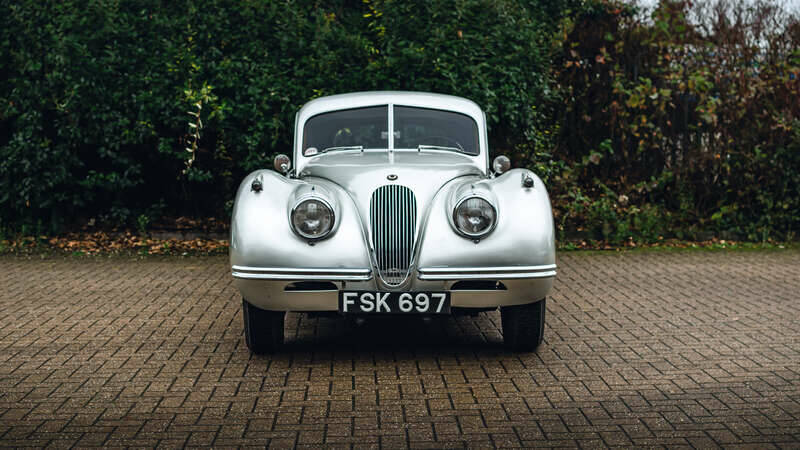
372, 302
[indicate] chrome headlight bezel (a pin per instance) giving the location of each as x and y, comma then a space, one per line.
465, 233
325, 203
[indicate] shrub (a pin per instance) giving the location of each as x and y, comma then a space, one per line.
692, 109
688, 112
97, 99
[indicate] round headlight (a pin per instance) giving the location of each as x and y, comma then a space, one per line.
312, 218
474, 216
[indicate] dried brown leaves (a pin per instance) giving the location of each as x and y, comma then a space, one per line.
100, 242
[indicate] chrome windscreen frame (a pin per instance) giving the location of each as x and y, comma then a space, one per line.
377, 98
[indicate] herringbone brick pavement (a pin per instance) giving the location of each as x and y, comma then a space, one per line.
696, 349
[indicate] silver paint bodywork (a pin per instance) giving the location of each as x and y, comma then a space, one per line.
267, 257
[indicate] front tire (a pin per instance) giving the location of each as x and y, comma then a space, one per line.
523, 325
263, 330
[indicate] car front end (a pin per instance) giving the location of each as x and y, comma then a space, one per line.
419, 227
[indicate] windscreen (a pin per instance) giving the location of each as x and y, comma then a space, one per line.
422, 126
364, 127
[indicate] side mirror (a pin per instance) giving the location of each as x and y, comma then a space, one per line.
501, 164
283, 163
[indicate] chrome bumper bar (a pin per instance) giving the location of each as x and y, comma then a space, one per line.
499, 273
265, 287
430, 273
319, 274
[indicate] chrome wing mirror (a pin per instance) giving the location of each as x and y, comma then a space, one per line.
500, 165
282, 163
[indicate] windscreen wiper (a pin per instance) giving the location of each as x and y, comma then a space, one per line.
438, 147
359, 148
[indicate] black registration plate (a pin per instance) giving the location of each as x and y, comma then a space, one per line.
372, 302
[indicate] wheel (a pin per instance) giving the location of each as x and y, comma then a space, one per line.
263, 330
523, 325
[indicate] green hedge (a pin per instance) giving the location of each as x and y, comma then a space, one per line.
97, 96
641, 126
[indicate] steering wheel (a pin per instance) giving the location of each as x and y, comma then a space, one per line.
343, 137
443, 138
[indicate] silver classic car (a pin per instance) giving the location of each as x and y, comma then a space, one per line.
392, 208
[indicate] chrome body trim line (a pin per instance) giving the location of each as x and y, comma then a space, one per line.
281, 273
487, 269
288, 277
475, 273
489, 276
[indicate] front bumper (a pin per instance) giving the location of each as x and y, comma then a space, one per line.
281, 289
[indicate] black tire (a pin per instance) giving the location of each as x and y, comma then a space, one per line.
263, 330
523, 325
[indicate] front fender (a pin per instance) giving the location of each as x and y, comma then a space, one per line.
523, 237
262, 236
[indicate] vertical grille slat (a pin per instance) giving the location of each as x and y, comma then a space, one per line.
393, 221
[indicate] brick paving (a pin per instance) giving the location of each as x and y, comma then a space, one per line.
697, 349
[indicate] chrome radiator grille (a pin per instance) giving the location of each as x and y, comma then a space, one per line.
393, 222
